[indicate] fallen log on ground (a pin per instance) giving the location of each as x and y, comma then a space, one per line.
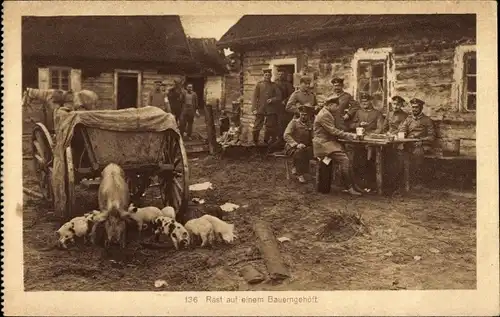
251, 275
268, 247
32, 193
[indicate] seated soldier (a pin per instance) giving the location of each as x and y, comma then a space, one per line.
326, 133
396, 116
232, 136
372, 121
418, 126
298, 138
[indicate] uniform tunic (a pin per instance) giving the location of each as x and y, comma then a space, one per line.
157, 99
298, 132
347, 105
371, 116
326, 133
394, 120
265, 90
419, 127
298, 98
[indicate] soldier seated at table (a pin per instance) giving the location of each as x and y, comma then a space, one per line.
396, 116
298, 138
326, 135
372, 121
418, 126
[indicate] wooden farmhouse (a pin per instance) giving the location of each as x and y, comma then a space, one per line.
431, 57
117, 57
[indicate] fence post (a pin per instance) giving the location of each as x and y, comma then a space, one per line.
211, 133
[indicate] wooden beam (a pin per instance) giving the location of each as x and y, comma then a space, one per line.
211, 132
268, 247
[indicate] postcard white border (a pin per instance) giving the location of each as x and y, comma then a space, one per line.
483, 301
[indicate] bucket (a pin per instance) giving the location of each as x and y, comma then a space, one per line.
451, 147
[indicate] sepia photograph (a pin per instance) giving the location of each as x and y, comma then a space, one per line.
252, 154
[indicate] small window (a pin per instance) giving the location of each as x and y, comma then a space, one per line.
470, 81
60, 78
372, 79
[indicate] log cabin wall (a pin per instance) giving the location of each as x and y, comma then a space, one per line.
424, 68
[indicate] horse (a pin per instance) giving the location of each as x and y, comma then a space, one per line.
85, 99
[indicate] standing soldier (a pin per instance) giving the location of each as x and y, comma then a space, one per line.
176, 99
189, 109
284, 117
301, 97
265, 106
157, 98
347, 105
418, 126
396, 116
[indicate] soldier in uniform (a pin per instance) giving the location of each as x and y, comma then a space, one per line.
326, 133
265, 106
418, 126
157, 98
347, 105
302, 97
284, 116
298, 138
175, 97
372, 121
396, 116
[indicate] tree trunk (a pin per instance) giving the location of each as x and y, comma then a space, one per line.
269, 249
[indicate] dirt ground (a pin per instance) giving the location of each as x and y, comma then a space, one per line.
423, 240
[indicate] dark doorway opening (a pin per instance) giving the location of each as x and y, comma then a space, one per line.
289, 71
127, 91
199, 88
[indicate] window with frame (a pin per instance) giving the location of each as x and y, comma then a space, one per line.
372, 79
60, 78
469, 81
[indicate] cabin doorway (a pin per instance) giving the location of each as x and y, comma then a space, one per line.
289, 71
127, 89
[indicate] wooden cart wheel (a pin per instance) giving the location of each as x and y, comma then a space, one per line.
70, 184
42, 147
324, 175
175, 188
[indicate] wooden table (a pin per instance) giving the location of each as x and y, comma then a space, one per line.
378, 144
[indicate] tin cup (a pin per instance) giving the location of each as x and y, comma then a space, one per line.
401, 135
360, 131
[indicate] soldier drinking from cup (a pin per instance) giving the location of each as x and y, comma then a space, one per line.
347, 105
265, 106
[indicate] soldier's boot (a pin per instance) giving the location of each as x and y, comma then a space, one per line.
255, 137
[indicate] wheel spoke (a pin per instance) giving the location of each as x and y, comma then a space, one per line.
40, 160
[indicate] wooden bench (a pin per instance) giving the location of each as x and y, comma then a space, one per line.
287, 161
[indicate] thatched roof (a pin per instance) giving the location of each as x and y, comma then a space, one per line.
159, 39
252, 29
207, 56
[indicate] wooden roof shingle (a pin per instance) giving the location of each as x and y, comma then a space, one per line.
251, 29
159, 39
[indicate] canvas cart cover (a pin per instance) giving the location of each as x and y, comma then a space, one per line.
146, 119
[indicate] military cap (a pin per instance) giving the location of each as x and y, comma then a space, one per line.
337, 80
364, 96
416, 101
305, 79
398, 99
306, 108
266, 70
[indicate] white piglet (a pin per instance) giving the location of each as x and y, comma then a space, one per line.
168, 212
77, 227
222, 228
143, 216
203, 228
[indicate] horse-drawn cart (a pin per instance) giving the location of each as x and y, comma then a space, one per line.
145, 142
